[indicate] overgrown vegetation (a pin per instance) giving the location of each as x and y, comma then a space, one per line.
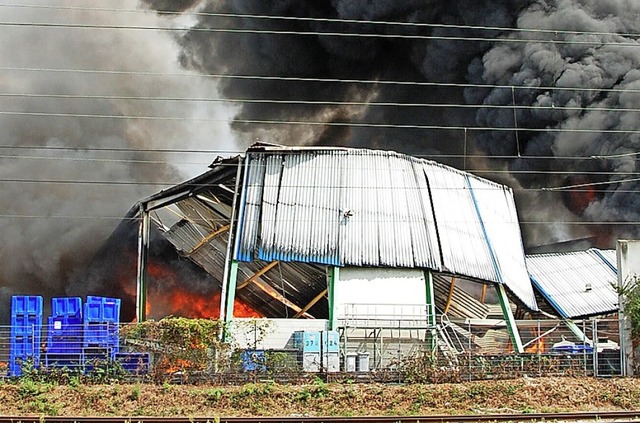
317, 397
630, 291
180, 346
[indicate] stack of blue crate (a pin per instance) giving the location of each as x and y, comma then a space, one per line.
65, 334
101, 330
26, 329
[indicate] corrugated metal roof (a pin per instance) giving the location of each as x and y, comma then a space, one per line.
275, 293
352, 207
576, 284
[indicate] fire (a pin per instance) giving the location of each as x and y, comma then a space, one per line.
169, 293
536, 347
581, 195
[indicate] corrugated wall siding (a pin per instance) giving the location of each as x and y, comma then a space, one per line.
377, 208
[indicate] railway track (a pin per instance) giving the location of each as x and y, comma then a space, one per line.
595, 416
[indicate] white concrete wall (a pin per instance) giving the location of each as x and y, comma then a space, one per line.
270, 334
628, 257
378, 293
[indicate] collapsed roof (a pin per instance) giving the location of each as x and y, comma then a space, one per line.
290, 212
576, 284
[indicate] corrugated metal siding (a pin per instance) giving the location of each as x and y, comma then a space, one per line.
462, 306
609, 256
465, 250
561, 279
298, 284
335, 208
376, 208
497, 209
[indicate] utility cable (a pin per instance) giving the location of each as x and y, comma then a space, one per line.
247, 16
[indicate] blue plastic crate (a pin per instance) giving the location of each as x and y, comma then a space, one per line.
134, 362
66, 307
96, 358
71, 327
23, 349
253, 360
102, 309
330, 341
26, 325
65, 346
101, 332
26, 304
61, 360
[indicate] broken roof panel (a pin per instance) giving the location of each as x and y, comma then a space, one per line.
576, 284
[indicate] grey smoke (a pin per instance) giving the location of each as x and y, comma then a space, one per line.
594, 49
51, 231
48, 254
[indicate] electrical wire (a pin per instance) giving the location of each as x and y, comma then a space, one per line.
321, 102
247, 16
318, 33
328, 124
321, 80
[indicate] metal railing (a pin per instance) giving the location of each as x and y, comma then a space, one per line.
372, 349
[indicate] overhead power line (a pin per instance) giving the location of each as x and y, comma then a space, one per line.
319, 33
322, 80
363, 22
318, 102
324, 123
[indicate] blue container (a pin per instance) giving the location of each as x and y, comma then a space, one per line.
307, 341
25, 325
101, 335
573, 349
26, 304
253, 361
71, 327
102, 309
70, 361
23, 349
26, 329
65, 335
134, 362
96, 358
66, 307
330, 341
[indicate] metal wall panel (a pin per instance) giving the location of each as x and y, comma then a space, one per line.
350, 207
465, 250
577, 284
497, 211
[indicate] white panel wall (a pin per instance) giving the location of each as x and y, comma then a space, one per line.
268, 334
628, 254
380, 294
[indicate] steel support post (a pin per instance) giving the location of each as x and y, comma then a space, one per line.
509, 319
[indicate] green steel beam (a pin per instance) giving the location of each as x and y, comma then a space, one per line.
231, 290
143, 257
509, 319
431, 309
579, 333
333, 277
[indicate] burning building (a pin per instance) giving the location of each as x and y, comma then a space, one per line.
337, 234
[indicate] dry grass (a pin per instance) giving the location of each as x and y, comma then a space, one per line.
317, 398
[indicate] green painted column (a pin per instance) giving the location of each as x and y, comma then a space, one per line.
333, 277
509, 319
231, 291
431, 310
143, 256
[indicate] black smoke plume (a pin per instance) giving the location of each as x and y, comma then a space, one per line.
561, 75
